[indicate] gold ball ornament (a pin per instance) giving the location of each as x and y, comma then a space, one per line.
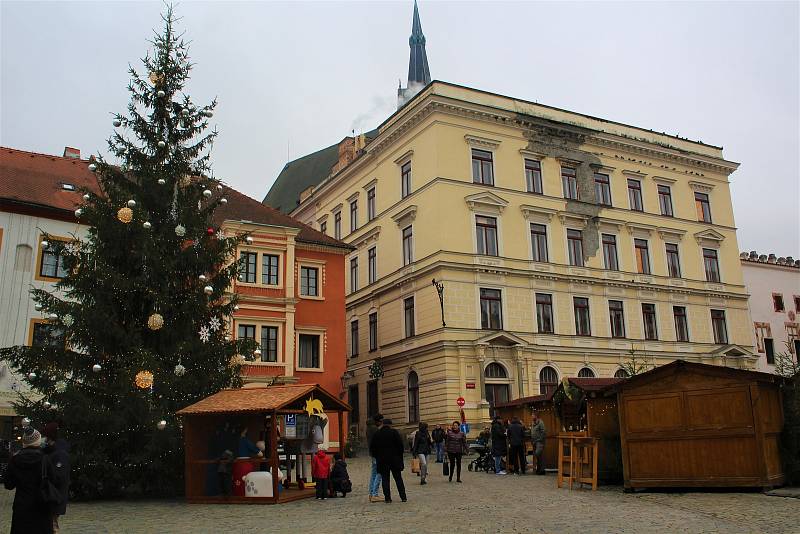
155, 78
155, 321
125, 215
144, 379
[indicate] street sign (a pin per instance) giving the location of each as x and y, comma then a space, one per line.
465, 428
291, 426
461, 402
470, 385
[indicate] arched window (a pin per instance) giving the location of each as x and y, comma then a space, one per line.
548, 380
495, 370
586, 373
22, 258
413, 397
621, 373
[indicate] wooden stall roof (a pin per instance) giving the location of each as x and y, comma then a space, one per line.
595, 384
702, 368
261, 399
525, 400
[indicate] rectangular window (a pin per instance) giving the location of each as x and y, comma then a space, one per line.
323, 227
649, 320
616, 314
353, 274
353, 339
353, 401
408, 245
269, 270
703, 207
777, 302
796, 303
583, 326
673, 260
681, 323
52, 263
544, 313
247, 267
665, 200
371, 204
610, 252
575, 247
719, 327
533, 176
337, 225
48, 335
642, 256
269, 343
354, 215
372, 398
711, 264
482, 172
247, 331
491, 314
635, 195
602, 189
762, 331
308, 281
792, 337
486, 232
372, 265
373, 331
405, 179
569, 183
539, 242
309, 351
769, 348
408, 316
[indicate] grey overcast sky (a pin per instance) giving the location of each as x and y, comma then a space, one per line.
295, 77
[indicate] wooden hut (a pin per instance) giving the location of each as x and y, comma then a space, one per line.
695, 425
276, 415
523, 408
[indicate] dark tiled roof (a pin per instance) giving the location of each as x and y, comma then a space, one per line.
260, 399
28, 178
525, 400
703, 368
594, 384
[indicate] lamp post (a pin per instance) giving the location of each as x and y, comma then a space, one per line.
440, 290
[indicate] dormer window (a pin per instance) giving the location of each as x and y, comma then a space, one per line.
67, 187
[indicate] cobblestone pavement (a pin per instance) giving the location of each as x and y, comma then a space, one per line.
483, 503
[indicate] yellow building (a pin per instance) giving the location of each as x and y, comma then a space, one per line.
565, 245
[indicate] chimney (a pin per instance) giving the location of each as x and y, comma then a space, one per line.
70, 152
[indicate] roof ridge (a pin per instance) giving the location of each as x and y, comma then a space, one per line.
40, 154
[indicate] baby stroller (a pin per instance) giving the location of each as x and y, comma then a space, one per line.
484, 461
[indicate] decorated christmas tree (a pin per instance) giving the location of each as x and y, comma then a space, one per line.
144, 303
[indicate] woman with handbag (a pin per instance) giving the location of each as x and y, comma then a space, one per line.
456, 446
421, 449
27, 473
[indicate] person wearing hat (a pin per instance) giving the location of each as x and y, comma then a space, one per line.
24, 474
57, 451
387, 449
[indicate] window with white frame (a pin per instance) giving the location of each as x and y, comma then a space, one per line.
309, 351
486, 233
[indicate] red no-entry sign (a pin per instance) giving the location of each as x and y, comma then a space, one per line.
461, 402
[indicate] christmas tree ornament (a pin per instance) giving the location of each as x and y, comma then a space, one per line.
155, 78
161, 144
92, 167
180, 370
46, 405
53, 316
223, 201
219, 187
257, 352
38, 307
161, 181
220, 235
86, 196
208, 290
125, 215
117, 123
186, 180
161, 425
143, 379
208, 113
32, 375
45, 244
207, 193
147, 225
249, 240
180, 231
227, 337
214, 324
68, 320
202, 278
205, 334
78, 212
26, 422
131, 203
61, 386
210, 231
155, 321
97, 368
161, 94
184, 113
236, 307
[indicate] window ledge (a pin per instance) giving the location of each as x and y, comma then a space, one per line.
309, 369
310, 297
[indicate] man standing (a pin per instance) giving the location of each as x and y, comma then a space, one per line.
538, 435
375, 478
516, 442
438, 441
499, 445
387, 449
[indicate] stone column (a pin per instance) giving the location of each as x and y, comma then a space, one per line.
518, 358
480, 353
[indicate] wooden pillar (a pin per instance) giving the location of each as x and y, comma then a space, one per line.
273, 439
342, 433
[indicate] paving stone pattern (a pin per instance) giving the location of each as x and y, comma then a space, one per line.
482, 504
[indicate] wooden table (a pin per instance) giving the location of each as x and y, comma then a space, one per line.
577, 459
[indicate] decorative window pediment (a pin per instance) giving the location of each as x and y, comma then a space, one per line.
405, 217
482, 143
573, 220
641, 230
634, 174
709, 238
369, 185
353, 197
701, 187
404, 158
537, 214
671, 234
486, 201
501, 338
663, 181
367, 238
337, 207
610, 225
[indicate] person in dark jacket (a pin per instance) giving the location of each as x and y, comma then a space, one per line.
340, 479
455, 443
375, 478
516, 442
499, 445
438, 442
30, 515
421, 449
387, 449
57, 451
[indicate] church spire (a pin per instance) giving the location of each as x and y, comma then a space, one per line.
419, 74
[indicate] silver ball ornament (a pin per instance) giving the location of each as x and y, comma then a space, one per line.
46, 405
92, 167
53, 316
184, 112
117, 123
161, 94
32, 375
97, 368
207, 193
78, 212
161, 181
45, 243
161, 144
86, 196
219, 187
257, 352
236, 308
38, 307
26, 422
161, 425
223, 201
249, 240
208, 113
146, 225
208, 290
180, 231
202, 278
131, 203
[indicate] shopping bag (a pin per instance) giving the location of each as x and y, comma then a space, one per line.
445, 468
415, 465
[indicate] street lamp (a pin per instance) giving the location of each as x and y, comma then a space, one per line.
440, 290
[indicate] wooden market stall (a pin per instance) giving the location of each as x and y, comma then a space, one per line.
278, 418
695, 425
523, 409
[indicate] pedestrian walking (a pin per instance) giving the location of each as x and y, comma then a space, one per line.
456, 446
387, 448
516, 446
438, 442
538, 437
421, 449
321, 471
26, 469
57, 453
499, 445
373, 426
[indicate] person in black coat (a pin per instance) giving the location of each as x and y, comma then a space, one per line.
387, 449
340, 479
57, 451
30, 514
499, 445
516, 442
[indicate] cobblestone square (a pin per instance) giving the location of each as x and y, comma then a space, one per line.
481, 504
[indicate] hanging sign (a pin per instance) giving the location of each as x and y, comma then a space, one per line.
461, 402
291, 426
470, 385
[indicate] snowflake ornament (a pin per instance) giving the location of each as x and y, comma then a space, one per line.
68, 320
221, 235
205, 334
72, 248
180, 370
214, 324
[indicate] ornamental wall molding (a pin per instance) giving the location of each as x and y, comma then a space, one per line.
537, 214
701, 187
353, 197
405, 158
640, 230
369, 185
671, 233
481, 143
405, 216
709, 238
610, 225
661, 180
574, 220
367, 238
486, 201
